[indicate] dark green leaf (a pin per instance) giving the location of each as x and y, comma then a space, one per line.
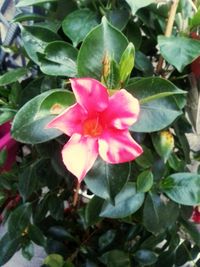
145, 257
159, 107
179, 51
3, 157
137, 4
35, 40
78, 24
116, 258
106, 180
8, 247
36, 235
183, 188
30, 121
145, 181
127, 202
157, 214
107, 41
12, 76
118, 18
60, 59
27, 16
143, 64
56, 207
28, 251
93, 210
19, 220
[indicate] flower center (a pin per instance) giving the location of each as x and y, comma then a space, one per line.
92, 127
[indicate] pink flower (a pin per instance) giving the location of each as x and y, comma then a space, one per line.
98, 125
9, 144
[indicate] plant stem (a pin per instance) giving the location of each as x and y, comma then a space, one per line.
75, 199
168, 30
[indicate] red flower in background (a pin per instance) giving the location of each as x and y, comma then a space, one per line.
9, 144
195, 65
196, 215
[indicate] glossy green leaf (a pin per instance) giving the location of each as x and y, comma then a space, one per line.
143, 63
92, 210
28, 182
107, 41
179, 51
27, 16
54, 260
12, 76
78, 24
145, 160
157, 214
118, 18
127, 202
116, 258
159, 108
8, 247
36, 235
183, 188
106, 180
35, 40
19, 219
137, 4
32, 2
30, 121
126, 63
133, 34
59, 60
145, 257
145, 181
107, 239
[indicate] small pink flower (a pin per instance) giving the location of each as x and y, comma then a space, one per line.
9, 144
98, 125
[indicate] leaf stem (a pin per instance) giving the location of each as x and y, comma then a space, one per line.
76, 193
168, 30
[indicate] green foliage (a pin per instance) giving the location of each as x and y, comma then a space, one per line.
135, 213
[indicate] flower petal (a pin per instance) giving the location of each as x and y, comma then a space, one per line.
122, 111
79, 154
90, 94
70, 121
117, 146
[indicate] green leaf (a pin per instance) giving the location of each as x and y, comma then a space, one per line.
59, 60
3, 157
108, 42
32, 2
36, 235
127, 202
12, 76
111, 74
126, 63
163, 143
137, 4
183, 188
118, 18
28, 182
106, 180
145, 181
54, 260
19, 220
56, 207
93, 210
193, 230
27, 16
158, 215
143, 63
35, 39
116, 258
159, 107
30, 121
78, 24
8, 247
195, 20
133, 34
28, 251
179, 51
145, 160
145, 257
106, 239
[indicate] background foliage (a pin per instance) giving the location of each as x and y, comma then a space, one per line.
140, 212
